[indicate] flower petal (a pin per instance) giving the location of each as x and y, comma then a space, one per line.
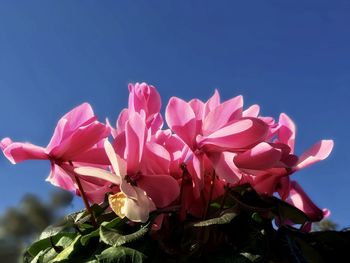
135, 139
181, 119
98, 173
236, 136
260, 157
80, 140
316, 153
302, 201
252, 111
17, 152
163, 189
82, 114
222, 115
286, 131
118, 164
61, 178
225, 168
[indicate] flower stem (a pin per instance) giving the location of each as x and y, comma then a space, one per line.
85, 200
212, 184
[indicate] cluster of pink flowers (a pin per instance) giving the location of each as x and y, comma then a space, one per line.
208, 145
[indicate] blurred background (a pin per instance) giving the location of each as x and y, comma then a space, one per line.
287, 56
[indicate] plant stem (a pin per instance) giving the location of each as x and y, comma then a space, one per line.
212, 183
85, 200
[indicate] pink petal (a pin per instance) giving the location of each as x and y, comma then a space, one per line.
60, 178
163, 189
266, 183
212, 103
144, 97
225, 168
316, 153
135, 139
252, 111
92, 156
287, 130
181, 119
80, 140
238, 135
198, 109
112, 129
17, 152
302, 201
80, 115
156, 159
121, 121
156, 123
260, 157
5, 142
222, 115
93, 172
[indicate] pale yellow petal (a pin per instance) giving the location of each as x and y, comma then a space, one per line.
117, 203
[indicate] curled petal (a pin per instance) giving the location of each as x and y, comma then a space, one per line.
286, 131
260, 157
17, 152
236, 136
316, 153
302, 201
81, 115
80, 140
252, 111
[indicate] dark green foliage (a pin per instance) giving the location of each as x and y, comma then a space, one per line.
240, 231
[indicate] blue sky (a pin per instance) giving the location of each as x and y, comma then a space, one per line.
291, 57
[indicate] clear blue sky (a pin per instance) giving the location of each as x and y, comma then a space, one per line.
288, 56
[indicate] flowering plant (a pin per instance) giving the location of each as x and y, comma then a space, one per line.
216, 185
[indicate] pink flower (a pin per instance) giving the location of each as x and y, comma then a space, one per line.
131, 202
275, 176
215, 129
145, 100
75, 140
147, 163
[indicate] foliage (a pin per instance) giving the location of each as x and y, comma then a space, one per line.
242, 232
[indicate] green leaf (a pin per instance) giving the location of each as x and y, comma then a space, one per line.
251, 257
86, 238
114, 238
60, 239
68, 251
223, 219
287, 211
38, 257
121, 255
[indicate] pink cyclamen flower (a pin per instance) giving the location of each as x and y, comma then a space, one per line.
143, 99
131, 202
215, 129
147, 163
75, 140
275, 176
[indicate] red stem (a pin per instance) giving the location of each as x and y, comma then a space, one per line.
212, 182
85, 200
